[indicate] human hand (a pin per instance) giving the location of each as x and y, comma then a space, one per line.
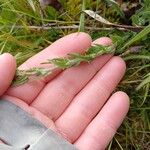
7, 71
75, 102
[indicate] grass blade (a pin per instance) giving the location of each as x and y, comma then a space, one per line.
82, 17
145, 82
137, 57
139, 36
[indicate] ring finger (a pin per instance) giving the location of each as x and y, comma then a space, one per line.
90, 100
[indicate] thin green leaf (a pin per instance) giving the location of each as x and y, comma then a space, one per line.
137, 57
147, 89
145, 82
139, 36
82, 17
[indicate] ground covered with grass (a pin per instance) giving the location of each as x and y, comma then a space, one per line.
26, 28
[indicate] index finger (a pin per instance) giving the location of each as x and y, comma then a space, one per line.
76, 42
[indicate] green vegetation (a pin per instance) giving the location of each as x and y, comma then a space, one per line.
25, 29
23, 76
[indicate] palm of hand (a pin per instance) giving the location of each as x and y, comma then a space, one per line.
72, 102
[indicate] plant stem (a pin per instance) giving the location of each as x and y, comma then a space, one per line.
23, 76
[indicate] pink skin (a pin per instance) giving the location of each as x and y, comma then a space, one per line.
75, 102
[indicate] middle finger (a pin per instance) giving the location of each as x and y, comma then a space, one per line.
57, 95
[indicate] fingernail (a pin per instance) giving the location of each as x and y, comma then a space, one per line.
2, 55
